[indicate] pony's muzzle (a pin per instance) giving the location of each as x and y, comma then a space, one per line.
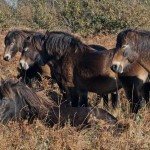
117, 68
24, 65
7, 57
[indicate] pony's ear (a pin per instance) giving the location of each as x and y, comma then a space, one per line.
37, 42
111, 55
16, 33
38, 45
43, 39
46, 34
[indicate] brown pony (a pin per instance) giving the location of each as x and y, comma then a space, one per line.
14, 44
34, 43
19, 102
132, 45
84, 68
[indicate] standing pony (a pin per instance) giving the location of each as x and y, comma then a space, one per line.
83, 68
32, 45
133, 46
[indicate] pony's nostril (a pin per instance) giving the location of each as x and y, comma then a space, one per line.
6, 58
117, 68
113, 67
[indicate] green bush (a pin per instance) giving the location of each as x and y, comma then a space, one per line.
5, 15
95, 16
84, 17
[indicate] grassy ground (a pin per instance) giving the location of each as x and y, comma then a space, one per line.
37, 136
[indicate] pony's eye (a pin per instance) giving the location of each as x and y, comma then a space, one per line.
125, 53
123, 46
12, 43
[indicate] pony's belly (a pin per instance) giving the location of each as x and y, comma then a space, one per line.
100, 85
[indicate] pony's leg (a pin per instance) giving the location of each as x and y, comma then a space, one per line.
133, 88
114, 99
98, 99
137, 95
83, 98
74, 97
65, 101
57, 78
146, 91
135, 103
105, 101
22, 76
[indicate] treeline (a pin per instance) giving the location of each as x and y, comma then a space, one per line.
80, 16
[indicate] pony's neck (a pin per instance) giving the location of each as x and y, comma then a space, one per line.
45, 57
87, 48
145, 64
142, 48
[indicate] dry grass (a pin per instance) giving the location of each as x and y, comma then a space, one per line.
38, 136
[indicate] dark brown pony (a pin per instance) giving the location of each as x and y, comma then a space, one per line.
84, 68
19, 102
33, 45
13, 44
132, 45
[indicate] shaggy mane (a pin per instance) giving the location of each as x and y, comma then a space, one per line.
36, 41
138, 39
10, 89
61, 43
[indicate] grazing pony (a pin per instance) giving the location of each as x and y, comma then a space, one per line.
13, 44
83, 68
19, 102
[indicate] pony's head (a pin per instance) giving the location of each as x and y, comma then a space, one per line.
18, 101
13, 44
31, 53
124, 53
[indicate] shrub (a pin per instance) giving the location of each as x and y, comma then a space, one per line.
95, 16
84, 17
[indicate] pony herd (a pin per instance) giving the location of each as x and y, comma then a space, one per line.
77, 68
